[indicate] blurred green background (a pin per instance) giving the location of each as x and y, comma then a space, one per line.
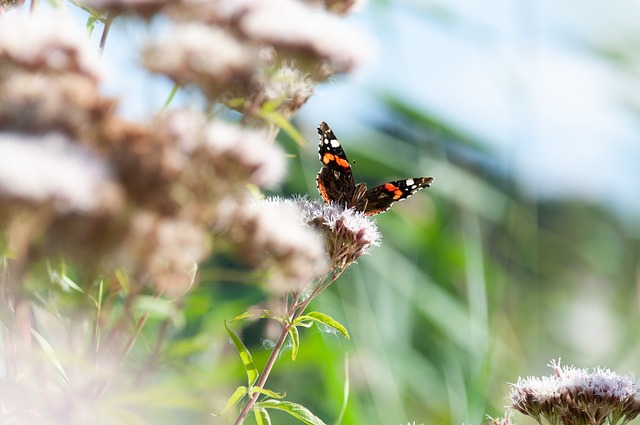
524, 250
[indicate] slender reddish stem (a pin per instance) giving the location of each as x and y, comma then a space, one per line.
296, 309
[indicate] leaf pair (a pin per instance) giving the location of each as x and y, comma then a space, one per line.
273, 400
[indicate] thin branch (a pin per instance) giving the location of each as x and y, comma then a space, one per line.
105, 31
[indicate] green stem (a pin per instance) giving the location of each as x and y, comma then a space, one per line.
174, 90
264, 375
297, 310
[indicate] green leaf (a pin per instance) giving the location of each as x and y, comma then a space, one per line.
294, 409
235, 398
91, 24
284, 124
161, 309
62, 280
262, 416
295, 342
123, 280
324, 319
268, 393
51, 355
245, 356
264, 314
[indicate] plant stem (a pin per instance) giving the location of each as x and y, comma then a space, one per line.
105, 31
265, 374
295, 311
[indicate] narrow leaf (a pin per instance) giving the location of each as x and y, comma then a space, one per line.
262, 416
245, 356
51, 354
295, 342
294, 409
324, 319
268, 393
235, 398
260, 314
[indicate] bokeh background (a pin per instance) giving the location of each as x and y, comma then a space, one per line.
524, 250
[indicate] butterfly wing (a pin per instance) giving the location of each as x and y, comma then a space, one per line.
335, 179
379, 199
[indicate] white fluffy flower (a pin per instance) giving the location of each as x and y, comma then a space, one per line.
276, 236
51, 167
292, 25
201, 55
48, 42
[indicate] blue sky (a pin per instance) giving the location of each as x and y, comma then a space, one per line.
518, 77
515, 74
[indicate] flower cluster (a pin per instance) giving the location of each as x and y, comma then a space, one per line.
273, 234
257, 57
348, 234
578, 396
136, 206
108, 193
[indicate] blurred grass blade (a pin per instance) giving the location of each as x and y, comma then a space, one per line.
345, 391
51, 354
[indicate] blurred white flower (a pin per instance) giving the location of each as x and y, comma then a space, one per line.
248, 152
48, 42
272, 233
292, 26
205, 56
53, 168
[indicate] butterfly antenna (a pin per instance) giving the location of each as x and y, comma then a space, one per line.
355, 166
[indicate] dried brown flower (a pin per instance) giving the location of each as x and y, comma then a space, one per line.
204, 56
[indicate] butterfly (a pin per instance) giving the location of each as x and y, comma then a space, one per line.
336, 184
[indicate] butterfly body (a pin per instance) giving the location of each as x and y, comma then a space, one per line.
336, 183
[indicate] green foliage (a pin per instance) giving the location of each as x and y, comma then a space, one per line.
296, 410
318, 317
245, 356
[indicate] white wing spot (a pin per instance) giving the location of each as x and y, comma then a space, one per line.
335, 143
410, 182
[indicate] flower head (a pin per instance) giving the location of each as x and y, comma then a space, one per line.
578, 396
163, 251
47, 43
348, 234
53, 168
273, 235
205, 56
295, 29
47, 66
